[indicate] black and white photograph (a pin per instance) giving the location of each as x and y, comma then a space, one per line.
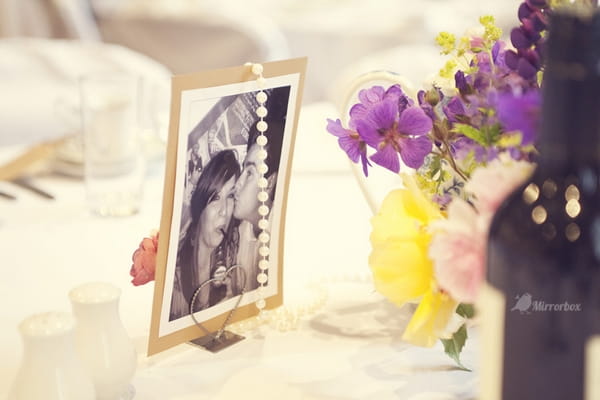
219, 218
228, 165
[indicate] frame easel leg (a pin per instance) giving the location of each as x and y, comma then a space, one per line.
214, 345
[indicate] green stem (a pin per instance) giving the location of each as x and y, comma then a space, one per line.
448, 157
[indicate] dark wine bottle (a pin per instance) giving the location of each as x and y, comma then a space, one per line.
540, 306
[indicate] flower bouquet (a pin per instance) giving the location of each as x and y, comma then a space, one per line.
466, 141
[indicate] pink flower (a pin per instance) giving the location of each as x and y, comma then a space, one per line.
458, 247
490, 185
458, 251
144, 261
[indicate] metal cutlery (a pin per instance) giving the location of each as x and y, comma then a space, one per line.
7, 196
26, 184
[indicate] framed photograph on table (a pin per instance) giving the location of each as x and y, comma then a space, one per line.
229, 154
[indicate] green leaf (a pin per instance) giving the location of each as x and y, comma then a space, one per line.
465, 310
435, 167
454, 346
471, 133
510, 139
492, 133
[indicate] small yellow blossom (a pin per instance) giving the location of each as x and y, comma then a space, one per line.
464, 45
492, 32
446, 41
487, 20
449, 69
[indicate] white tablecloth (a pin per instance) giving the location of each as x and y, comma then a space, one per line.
349, 349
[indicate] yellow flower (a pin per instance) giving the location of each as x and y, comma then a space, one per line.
402, 269
446, 41
464, 45
492, 32
431, 318
449, 69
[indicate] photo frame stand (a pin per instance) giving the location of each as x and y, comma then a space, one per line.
222, 339
216, 344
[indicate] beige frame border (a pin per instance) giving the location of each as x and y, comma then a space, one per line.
207, 79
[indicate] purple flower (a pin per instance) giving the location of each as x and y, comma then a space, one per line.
524, 11
463, 147
350, 142
425, 106
463, 83
484, 66
539, 22
528, 38
429, 99
454, 108
498, 54
526, 69
368, 98
512, 59
525, 36
442, 199
537, 3
392, 128
520, 113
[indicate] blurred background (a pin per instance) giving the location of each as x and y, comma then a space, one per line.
340, 37
47, 45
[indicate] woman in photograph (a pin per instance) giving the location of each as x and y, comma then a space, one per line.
210, 243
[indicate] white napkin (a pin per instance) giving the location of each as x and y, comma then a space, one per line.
39, 77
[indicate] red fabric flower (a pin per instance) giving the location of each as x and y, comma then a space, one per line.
144, 261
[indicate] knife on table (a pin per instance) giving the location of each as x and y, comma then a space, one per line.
7, 196
26, 184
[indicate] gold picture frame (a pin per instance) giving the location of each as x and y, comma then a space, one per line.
212, 119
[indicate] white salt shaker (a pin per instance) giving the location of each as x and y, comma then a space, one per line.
50, 368
105, 348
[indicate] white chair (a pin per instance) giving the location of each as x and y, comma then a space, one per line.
47, 18
78, 16
200, 40
186, 42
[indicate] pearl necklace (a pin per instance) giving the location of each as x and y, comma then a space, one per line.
315, 295
263, 196
284, 318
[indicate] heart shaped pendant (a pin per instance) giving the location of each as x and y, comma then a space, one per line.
222, 339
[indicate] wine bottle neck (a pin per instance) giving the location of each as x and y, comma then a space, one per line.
570, 127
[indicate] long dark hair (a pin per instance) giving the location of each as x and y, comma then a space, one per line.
219, 169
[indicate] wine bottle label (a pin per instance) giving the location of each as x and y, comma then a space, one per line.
592, 368
492, 304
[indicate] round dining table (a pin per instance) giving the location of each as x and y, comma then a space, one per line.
345, 339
